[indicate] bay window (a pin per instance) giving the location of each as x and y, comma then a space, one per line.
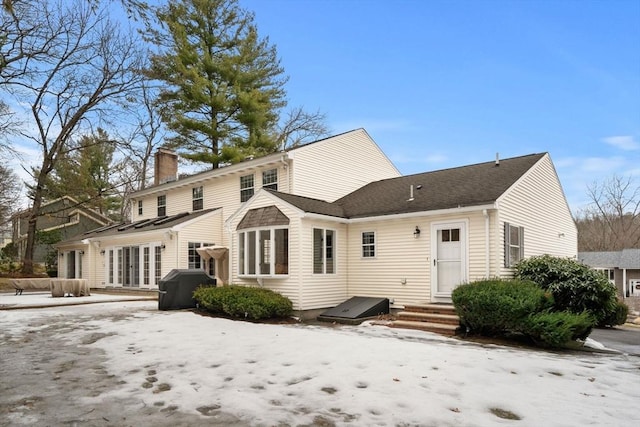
263, 252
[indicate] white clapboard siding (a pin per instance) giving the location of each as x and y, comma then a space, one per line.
336, 166
401, 269
289, 285
323, 290
537, 203
220, 190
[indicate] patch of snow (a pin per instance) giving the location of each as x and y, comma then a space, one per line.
347, 375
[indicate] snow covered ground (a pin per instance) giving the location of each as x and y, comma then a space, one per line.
277, 375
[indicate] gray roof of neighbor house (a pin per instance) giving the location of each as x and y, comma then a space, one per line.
626, 258
472, 185
157, 223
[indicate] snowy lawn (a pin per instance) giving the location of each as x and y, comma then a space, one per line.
362, 375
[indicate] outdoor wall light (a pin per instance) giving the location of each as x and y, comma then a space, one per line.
81, 252
61, 254
102, 252
162, 246
416, 232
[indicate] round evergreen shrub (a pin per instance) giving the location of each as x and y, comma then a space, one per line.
575, 286
243, 302
556, 328
496, 306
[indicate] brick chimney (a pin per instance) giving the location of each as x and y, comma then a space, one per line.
165, 167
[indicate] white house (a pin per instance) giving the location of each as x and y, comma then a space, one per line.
334, 219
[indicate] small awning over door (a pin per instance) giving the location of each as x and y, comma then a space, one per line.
220, 255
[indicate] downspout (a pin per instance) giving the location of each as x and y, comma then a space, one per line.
624, 283
487, 265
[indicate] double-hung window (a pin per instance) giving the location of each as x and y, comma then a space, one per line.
246, 187
323, 251
263, 252
513, 244
195, 260
139, 207
198, 199
270, 179
368, 244
162, 205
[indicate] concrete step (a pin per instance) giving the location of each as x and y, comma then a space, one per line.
447, 319
438, 328
431, 308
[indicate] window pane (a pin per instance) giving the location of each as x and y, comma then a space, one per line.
265, 252
246, 187
514, 235
145, 269
317, 251
197, 199
330, 263
158, 260
241, 253
251, 252
455, 235
282, 251
162, 205
270, 179
446, 236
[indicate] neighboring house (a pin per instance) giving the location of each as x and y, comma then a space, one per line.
622, 268
64, 216
334, 219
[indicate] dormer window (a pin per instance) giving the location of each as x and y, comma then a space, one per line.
198, 200
246, 187
270, 179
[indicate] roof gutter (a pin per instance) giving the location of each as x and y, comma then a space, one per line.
451, 211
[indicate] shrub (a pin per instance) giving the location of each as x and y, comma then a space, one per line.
618, 316
575, 286
243, 302
494, 307
556, 328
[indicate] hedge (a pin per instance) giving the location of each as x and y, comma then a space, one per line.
243, 302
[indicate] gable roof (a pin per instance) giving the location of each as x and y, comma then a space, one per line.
473, 185
626, 258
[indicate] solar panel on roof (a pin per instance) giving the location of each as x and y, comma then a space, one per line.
145, 223
171, 218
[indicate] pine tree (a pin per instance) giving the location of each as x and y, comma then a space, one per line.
225, 85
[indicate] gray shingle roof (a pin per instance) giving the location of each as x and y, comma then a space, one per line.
626, 258
471, 185
310, 205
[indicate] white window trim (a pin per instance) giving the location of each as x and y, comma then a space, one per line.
272, 253
194, 198
270, 184
324, 252
246, 189
374, 244
508, 262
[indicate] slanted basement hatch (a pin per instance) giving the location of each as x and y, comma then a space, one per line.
355, 310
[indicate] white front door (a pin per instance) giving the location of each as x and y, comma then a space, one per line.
449, 260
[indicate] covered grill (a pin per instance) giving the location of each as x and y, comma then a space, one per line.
176, 288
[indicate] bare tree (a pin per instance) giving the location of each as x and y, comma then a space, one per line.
612, 220
300, 127
147, 135
84, 69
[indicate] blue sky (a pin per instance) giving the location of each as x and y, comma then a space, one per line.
440, 84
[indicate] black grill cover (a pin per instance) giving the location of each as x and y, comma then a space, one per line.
176, 288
